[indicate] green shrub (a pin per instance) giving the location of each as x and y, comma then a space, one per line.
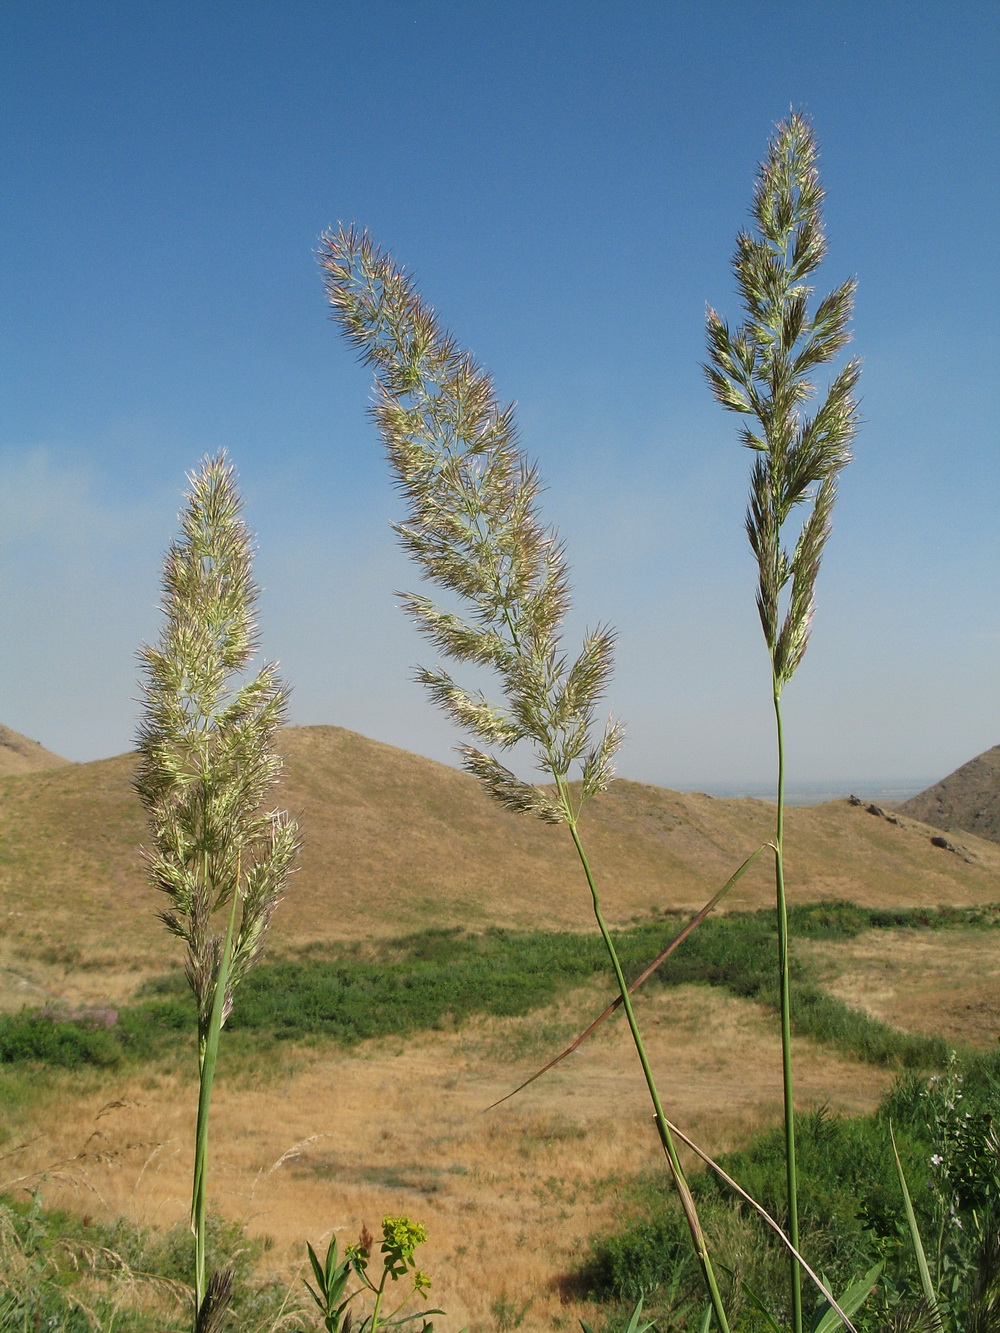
33, 1035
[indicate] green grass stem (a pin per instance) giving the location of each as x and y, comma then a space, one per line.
785, 1010
208, 1054
662, 1124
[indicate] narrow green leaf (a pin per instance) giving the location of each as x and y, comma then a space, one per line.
761, 1308
853, 1298
317, 1268
930, 1296
633, 1324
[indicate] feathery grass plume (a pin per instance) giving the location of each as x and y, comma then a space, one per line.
762, 371
206, 767
473, 528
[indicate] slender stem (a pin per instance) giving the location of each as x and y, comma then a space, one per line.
378, 1301
791, 1171
666, 1139
208, 1054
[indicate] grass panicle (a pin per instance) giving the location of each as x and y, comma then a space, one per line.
473, 527
762, 370
206, 757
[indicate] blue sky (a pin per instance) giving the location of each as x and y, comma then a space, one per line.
566, 180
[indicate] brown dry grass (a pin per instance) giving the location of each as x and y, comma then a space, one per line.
394, 842
943, 982
509, 1196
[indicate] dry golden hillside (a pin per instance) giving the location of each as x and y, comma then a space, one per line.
394, 842
321, 1138
18, 754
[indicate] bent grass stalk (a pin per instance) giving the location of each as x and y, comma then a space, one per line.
761, 370
206, 766
473, 528
644, 975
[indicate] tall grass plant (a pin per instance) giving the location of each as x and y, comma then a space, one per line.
473, 528
221, 857
206, 768
762, 371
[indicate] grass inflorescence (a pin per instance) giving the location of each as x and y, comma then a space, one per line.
762, 371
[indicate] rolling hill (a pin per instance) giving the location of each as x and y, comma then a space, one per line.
18, 754
394, 843
967, 800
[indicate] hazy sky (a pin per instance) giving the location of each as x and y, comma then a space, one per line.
566, 179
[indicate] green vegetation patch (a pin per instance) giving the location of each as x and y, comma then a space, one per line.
98, 1040
72, 1273
352, 992
849, 1204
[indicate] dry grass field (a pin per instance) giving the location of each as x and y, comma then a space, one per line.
318, 1138
946, 985
509, 1196
20, 754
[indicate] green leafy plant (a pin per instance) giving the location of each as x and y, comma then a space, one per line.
400, 1238
959, 1272
632, 1325
331, 1276
474, 529
762, 371
206, 767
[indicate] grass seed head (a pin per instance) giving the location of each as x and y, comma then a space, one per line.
473, 527
761, 371
205, 741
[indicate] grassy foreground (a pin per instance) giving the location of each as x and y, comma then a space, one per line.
944, 1127
438, 981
